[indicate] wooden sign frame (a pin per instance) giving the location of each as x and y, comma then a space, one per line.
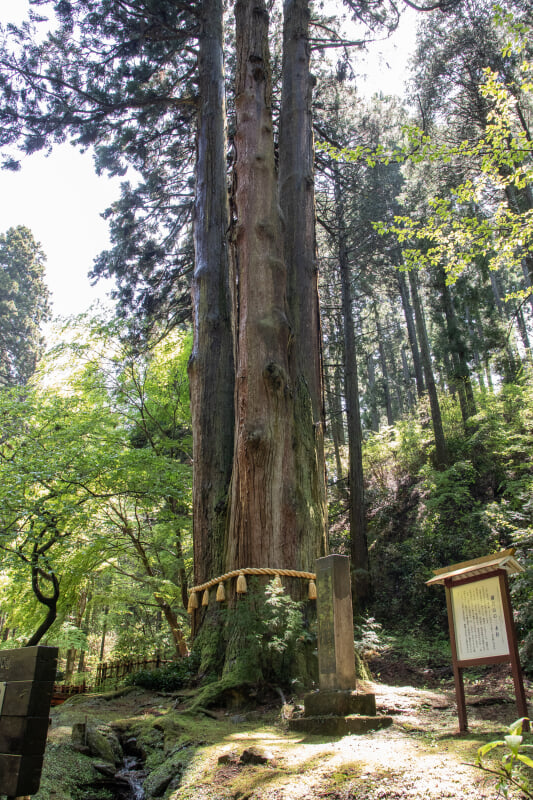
470, 573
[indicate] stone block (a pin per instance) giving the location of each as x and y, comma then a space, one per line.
339, 703
339, 726
336, 657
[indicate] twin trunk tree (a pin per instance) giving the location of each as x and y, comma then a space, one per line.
255, 370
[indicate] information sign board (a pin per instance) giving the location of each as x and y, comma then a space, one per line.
480, 618
479, 621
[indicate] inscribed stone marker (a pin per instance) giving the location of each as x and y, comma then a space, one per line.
26, 683
336, 659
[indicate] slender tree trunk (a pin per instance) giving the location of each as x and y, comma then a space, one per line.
337, 387
104, 634
211, 367
71, 652
407, 379
521, 323
527, 281
371, 372
441, 448
396, 383
334, 422
49, 601
511, 366
384, 368
458, 350
411, 330
85, 622
358, 539
333, 383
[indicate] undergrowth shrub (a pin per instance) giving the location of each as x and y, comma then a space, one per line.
420, 518
265, 636
168, 678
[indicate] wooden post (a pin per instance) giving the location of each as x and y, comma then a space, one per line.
521, 701
457, 671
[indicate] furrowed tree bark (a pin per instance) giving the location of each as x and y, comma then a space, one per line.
262, 522
307, 487
276, 516
211, 366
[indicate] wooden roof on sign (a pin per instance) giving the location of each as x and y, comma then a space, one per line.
478, 566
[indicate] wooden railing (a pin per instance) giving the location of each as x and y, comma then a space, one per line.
62, 692
117, 670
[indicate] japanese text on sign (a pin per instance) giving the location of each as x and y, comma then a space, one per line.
479, 622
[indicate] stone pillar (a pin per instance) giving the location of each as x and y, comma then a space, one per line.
336, 659
336, 709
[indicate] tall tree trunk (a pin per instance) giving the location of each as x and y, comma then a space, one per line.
441, 449
71, 652
333, 382
511, 365
262, 522
407, 379
278, 512
527, 281
211, 367
104, 634
334, 410
371, 373
297, 201
458, 350
86, 624
358, 539
384, 368
521, 323
411, 330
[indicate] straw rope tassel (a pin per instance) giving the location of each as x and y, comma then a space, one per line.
312, 590
221, 592
193, 602
205, 598
242, 588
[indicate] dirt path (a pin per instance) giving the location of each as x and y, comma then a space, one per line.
421, 757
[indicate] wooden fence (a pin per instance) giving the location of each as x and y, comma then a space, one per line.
117, 670
107, 673
62, 692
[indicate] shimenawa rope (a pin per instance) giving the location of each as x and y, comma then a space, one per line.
241, 583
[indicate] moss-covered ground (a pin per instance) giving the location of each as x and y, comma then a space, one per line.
196, 756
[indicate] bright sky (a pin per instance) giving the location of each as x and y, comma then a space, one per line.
60, 198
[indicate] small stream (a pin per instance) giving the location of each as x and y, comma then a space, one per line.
132, 775
126, 783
